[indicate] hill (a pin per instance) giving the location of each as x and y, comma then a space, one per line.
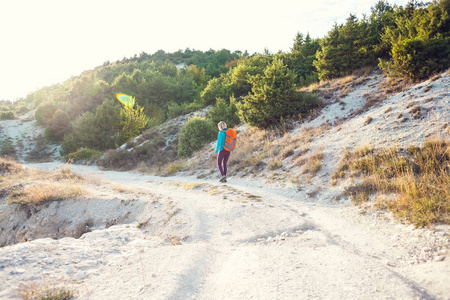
284, 225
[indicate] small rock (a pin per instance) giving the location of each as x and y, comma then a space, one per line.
439, 258
389, 263
81, 275
411, 228
426, 249
394, 237
48, 260
70, 271
18, 271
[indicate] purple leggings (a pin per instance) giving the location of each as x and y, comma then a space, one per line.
222, 160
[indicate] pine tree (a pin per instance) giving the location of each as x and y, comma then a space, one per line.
300, 60
272, 97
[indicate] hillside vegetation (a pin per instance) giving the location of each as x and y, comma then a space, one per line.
409, 42
277, 102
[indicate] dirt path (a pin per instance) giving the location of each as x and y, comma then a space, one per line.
240, 241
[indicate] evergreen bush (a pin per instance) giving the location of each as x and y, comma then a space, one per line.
83, 154
22, 109
216, 88
175, 110
420, 41
94, 130
274, 97
7, 115
58, 126
44, 112
196, 133
225, 112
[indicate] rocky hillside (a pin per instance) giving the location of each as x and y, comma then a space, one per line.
362, 110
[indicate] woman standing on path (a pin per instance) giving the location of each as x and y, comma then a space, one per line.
223, 155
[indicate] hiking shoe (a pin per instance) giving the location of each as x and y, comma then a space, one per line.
223, 179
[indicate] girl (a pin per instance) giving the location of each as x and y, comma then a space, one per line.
222, 157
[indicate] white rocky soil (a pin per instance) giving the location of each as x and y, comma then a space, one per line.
185, 238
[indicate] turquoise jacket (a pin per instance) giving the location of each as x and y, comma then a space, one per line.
220, 141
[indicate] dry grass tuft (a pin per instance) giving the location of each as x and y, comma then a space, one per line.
45, 192
339, 87
194, 185
122, 189
313, 164
418, 176
9, 166
274, 165
253, 146
173, 168
37, 187
47, 291
393, 85
427, 88
66, 174
368, 121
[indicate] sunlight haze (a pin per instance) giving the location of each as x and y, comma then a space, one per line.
48, 41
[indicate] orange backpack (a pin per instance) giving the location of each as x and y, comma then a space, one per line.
230, 139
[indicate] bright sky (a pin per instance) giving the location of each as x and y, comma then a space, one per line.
47, 41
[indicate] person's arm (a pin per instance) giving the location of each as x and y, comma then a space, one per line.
220, 141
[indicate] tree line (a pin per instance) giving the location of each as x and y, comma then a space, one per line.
411, 41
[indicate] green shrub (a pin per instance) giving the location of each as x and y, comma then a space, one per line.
22, 109
225, 112
44, 112
58, 126
420, 41
94, 130
132, 122
274, 97
215, 89
156, 115
83, 154
176, 110
194, 135
417, 58
7, 148
114, 158
69, 144
7, 115
174, 167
